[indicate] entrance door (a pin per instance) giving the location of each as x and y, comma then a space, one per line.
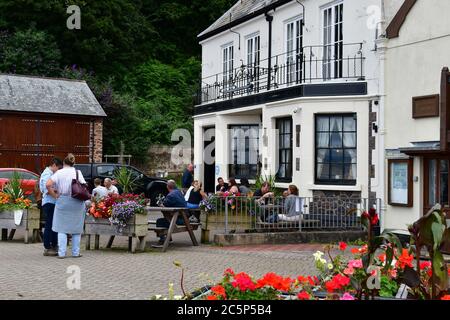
437, 180
209, 160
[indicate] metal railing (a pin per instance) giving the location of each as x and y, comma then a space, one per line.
244, 214
306, 65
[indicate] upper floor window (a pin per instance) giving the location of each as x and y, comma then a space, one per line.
333, 41
228, 63
253, 51
294, 45
336, 149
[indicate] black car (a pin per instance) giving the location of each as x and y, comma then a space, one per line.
151, 187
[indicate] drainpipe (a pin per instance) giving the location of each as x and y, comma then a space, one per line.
232, 31
269, 19
381, 45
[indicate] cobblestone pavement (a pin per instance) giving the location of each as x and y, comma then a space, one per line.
115, 274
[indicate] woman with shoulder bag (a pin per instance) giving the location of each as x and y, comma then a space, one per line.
69, 210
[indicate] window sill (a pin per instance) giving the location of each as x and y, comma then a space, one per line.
334, 187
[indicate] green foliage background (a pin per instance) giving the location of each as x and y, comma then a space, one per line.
141, 58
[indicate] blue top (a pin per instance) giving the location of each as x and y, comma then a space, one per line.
187, 180
45, 176
175, 199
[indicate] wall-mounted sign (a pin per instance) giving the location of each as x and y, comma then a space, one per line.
426, 106
400, 182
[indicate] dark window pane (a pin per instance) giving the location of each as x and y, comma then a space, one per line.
336, 172
336, 123
323, 124
336, 156
336, 140
350, 172
323, 140
350, 155
323, 155
349, 140
323, 171
349, 124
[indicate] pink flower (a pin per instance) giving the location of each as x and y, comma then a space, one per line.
347, 296
355, 263
393, 273
349, 271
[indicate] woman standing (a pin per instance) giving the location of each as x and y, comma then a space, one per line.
69, 212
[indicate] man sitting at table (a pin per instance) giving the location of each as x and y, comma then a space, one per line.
174, 199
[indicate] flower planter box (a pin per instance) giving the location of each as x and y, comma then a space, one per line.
136, 231
30, 223
236, 222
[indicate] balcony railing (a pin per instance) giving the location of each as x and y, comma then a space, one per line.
311, 64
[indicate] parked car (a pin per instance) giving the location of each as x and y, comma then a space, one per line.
150, 186
29, 180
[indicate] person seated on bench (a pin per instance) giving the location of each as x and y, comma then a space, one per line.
195, 195
292, 206
174, 199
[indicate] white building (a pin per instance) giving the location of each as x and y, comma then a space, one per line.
417, 112
305, 75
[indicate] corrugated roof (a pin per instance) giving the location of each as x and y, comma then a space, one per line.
45, 95
239, 10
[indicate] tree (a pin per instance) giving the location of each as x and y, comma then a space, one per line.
30, 52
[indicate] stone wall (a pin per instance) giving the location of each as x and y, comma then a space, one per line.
160, 161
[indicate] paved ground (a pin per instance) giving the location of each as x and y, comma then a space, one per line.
115, 274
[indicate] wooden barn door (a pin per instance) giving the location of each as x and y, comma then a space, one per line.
30, 142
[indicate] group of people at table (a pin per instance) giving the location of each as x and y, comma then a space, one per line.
65, 214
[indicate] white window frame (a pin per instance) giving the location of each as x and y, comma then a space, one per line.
292, 69
253, 54
332, 64
227, 63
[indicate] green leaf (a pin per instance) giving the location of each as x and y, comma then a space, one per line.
440, 270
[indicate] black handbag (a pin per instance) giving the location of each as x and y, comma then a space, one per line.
79, 190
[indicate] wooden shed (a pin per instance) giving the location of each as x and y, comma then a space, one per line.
41, 118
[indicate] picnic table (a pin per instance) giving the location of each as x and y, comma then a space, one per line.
172, 215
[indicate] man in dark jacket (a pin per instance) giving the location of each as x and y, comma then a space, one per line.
188, 177
174, 199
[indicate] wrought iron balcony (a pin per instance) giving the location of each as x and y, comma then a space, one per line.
311, 64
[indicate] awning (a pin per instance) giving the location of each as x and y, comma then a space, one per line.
423, 148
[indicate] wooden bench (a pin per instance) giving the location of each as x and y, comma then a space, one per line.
172, 214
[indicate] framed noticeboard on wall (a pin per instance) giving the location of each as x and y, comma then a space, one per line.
400, 182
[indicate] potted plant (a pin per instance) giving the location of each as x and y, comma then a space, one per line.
16, 212
116, 215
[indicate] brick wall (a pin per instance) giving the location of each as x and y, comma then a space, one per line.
98, 141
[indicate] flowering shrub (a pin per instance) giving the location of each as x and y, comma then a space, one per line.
9, 203
242, 286
124, 211
103, 208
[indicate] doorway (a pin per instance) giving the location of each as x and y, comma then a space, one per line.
209, 159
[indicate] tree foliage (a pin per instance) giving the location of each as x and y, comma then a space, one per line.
140, 58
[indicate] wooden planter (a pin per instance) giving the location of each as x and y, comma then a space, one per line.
217, 222
30, 223
136, 231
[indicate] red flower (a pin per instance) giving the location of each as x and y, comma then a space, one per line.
228, 272
446, 297
354, 250
372, 216
219, 291
382, 257
337, 282
425, 265
405, 259
342, 246
243, 282
275, 281
211, 298
303, 296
